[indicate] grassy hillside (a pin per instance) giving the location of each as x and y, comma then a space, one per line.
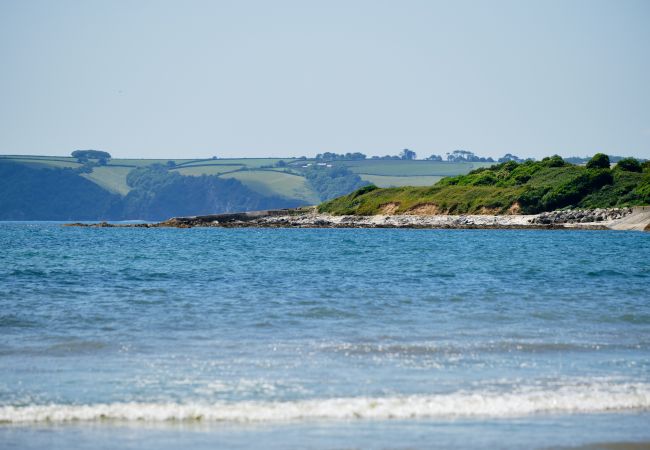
401, 180
111, 178
42, 161
211, 169
276, 183
409, 168
528, 187
249, 163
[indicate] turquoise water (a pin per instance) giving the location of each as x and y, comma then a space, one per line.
136, 338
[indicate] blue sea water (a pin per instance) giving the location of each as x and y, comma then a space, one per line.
322, 338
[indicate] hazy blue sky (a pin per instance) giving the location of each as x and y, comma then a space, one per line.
260, 78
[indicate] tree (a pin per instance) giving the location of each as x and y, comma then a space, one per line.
598, 161
460, 156
330, 182
158, 193
434, 158
84, 155
329, 156
510, 157
407, 154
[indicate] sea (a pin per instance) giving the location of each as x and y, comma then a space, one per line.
202, 338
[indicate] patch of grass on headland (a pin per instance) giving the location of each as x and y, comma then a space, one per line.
408, 167
401, 180
528, 187
445, 199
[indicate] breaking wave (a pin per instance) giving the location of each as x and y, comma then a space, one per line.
581, 398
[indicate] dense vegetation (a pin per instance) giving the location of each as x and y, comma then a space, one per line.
159, 194
330, 156
526, 187
28, 193
331, 182
585, 159
32, 193
84, 155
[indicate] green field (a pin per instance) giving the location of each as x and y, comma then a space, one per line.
272, 182
41, 157
409, 168
213, 169
269, 180
112, 179
250, 163
396, 181
142, 162
43, 161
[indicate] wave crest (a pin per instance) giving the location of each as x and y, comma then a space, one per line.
587, 398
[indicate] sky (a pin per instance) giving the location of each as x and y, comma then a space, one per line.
175, 79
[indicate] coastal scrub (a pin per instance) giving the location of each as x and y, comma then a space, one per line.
509, 188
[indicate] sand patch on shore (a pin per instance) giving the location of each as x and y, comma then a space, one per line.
515, 208
484, 211
389, 209
424, 209
639, 220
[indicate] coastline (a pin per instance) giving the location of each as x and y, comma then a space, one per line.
637, 218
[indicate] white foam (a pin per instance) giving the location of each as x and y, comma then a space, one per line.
585, 398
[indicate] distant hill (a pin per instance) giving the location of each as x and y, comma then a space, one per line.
83, 188
36, 192
511, 187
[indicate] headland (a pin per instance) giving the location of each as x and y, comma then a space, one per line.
636, 218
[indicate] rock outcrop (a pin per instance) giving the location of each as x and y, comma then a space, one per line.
581, 216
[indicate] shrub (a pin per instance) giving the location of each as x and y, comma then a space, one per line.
554, 161
485, 179
643, 191
629, 165
598, 161
363, 190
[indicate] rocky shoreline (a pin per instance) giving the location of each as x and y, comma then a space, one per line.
597, 219
582, 216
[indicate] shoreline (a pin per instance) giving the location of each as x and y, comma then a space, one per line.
637, 218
